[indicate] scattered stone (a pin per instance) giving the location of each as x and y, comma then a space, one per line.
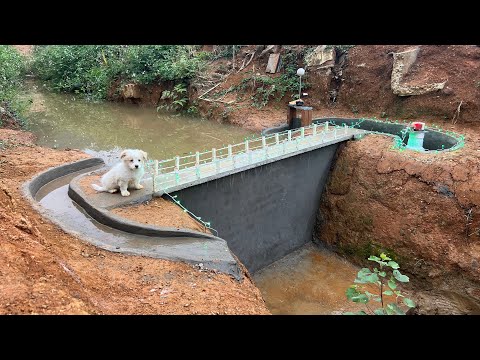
131, 91
402, 62
320, 56
447, 91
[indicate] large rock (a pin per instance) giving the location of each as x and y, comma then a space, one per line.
402, 63
321, 56
131, 91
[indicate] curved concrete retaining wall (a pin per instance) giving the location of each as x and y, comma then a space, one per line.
433, 139
206, 251
105, 217
54, 173
266, 212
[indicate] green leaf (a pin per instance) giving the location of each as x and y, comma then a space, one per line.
365, 276
398, 293
400, 277
382, 273
384, 257
393, 265
377, 260
391, 284
409, 302
369, 294
388, 292
351, 292
379, 311
377, 299
389, 311
395, 309
360, 298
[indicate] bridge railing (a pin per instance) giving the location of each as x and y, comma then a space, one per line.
184, 169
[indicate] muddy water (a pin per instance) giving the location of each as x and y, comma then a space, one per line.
101, 129
311, 280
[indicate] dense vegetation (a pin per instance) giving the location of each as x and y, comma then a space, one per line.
91, 69
12, 67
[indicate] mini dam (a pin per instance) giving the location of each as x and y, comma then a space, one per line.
260, 197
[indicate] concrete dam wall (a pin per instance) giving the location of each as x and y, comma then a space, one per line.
266, 212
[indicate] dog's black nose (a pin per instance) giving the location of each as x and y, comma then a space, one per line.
136, 166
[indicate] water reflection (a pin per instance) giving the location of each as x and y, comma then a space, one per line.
67, 121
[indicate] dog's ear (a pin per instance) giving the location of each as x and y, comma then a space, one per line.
123, 154
144, 155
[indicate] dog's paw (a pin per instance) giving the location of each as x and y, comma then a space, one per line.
138, 187
125, 193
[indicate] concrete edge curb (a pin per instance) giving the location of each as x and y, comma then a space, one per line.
105, 217
30, 188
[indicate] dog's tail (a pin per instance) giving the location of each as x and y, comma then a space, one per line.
98, 188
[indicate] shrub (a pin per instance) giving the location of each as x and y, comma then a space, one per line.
90, 69
12, 67
385, 287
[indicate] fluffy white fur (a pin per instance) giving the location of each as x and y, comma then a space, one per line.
126, 174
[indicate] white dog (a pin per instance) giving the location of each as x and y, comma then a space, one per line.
126, 174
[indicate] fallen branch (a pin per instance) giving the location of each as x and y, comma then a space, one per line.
206, 92
248, 63
221, 101
456, 115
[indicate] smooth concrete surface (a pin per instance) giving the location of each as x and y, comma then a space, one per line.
265, 212
55, 205
98, 205
245, 161
433, 139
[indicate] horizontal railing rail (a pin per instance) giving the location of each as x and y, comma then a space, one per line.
180, 170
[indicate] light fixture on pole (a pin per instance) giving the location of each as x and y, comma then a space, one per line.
300, 72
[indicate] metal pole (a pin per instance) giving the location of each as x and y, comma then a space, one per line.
300, 88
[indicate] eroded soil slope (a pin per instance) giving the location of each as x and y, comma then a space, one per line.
45, 270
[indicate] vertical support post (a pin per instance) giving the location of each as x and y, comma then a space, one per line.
346, 128
264, 146
177, 163
177, 168
314, 129
246, 146
229, 151
302, 132
289, 135
197, 164
277, 139
155, 174
326, 125
214, 159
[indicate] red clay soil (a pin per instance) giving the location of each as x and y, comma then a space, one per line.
367, 82
366, 89
160, 212
422, 208
44, 270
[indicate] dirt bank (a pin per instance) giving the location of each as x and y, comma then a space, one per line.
361, 83
44, 270
422, 208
